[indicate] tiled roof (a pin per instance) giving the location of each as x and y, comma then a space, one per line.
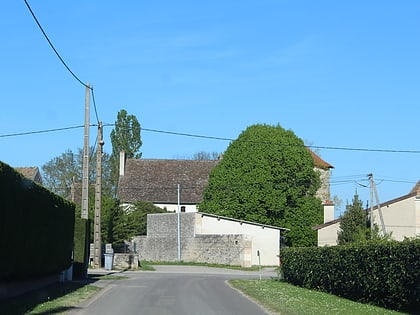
416, 189
318, 162
156, 181
31, 173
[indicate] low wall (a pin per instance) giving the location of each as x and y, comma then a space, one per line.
125, 261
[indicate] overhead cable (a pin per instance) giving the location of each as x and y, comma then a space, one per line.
52, 46
39, 131
61, 59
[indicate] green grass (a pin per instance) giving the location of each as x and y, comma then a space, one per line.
182, 263
145, 266
286, 299
54, 299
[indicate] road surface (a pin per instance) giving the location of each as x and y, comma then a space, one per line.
175, 290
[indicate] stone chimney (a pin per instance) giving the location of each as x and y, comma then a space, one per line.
328, 211
122, 163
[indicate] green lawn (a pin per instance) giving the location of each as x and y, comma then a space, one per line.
286, 299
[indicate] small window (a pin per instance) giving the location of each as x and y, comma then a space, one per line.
183, 209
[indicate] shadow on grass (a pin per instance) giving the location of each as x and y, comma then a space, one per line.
23, 304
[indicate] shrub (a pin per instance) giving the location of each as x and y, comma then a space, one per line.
386, 274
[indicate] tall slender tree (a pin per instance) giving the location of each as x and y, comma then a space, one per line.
124, 137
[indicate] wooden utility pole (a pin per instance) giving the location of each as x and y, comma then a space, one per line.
374, 191
85, 180
97, 243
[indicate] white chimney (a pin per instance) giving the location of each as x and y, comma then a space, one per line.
328, 211
122, 163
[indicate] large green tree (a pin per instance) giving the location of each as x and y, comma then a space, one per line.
124, 137
267, 175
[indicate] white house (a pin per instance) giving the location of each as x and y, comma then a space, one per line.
399, 216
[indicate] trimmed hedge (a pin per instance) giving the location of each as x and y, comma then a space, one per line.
36, 228
81, 247
386, 274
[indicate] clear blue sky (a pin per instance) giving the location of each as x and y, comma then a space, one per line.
341, 74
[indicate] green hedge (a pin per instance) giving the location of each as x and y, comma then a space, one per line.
81, 247
36, 228
386, 274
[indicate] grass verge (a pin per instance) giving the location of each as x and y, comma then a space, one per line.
286, 299
182, 263
54, 299
146, 266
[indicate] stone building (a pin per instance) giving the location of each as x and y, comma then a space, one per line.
209, 238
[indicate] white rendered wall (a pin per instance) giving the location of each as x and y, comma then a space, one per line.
265, 240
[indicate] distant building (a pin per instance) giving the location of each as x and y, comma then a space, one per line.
399, 216
31, 173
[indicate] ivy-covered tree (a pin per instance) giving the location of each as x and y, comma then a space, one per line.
354, 223
267, 176
124, 137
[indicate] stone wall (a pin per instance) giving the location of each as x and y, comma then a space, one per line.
125, 261
161, 243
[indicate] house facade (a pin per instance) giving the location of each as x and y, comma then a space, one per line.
399, 216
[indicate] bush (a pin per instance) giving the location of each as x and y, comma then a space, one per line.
386, 274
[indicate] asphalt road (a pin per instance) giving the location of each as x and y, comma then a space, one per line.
175, 290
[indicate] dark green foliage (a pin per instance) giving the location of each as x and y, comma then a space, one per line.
133, 221
81, 247
111, 212
385, 273
267, 176
354, 224
36, 228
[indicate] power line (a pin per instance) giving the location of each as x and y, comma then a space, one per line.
94, 104
60, 58
39, 131
219, 138
274, 143
52, 46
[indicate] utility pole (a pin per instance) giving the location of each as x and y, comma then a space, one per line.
85, 180
374, 191
179, 223
97, 243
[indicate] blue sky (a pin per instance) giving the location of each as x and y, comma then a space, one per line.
340, 74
